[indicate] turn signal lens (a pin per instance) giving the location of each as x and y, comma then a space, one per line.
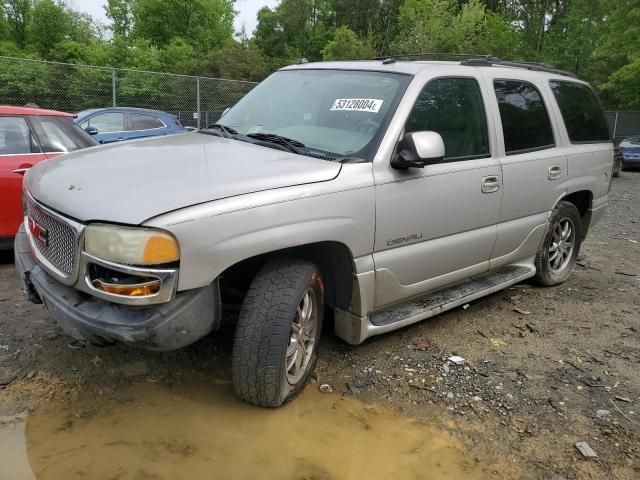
134, 290
160, 248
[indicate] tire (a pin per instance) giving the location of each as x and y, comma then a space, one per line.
273, 357
555, 269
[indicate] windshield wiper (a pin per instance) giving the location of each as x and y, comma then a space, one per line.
292, 145
219, 130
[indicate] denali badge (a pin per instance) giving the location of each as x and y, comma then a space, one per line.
409, 238
38, 232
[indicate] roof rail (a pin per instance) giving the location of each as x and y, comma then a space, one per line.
539, 67
436, 55
477, 60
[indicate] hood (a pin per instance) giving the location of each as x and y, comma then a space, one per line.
134, 181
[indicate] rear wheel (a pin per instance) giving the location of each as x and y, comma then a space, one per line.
275, 347
557, 254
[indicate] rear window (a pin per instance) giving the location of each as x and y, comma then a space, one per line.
144, 122
581, 112
525, 121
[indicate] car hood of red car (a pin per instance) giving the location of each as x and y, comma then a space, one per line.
131, 182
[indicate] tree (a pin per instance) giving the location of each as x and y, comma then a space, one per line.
205, 24
4, 28
426, 26
239, 60
50, 24
18, 14
121, 15
619, 52
179, 57
347, 46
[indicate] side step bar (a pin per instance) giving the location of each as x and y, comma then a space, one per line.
355, 330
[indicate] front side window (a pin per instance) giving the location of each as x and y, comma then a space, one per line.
108, 122
140, 121
581, 112
525, 121
60, 134
453, 108
15, 137
330, 112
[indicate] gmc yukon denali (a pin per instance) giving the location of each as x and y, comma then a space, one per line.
384, 191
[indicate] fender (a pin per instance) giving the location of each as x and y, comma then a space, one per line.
220, 234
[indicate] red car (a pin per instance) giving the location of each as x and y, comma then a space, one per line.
28, 136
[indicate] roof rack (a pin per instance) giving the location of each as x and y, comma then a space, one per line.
539, 67
477, 60
435, 55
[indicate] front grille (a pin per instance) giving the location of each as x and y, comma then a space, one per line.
61, 243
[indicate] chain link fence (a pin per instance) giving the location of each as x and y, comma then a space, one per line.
623, 124
196, 101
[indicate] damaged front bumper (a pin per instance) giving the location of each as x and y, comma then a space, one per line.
168, 326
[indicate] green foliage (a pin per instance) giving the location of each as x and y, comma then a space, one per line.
441, 26
50, 24
205, 24
597, 39
18, 14
120, 12
347, 46
238, 59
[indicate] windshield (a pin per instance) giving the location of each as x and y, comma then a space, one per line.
60, 134
630, 142
330, 111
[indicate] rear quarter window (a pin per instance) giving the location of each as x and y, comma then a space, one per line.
581, 111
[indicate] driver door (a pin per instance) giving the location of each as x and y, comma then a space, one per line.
437, 225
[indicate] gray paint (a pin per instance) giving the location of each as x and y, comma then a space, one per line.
226, 201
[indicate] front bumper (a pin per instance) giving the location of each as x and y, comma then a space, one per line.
188, 317
631, 161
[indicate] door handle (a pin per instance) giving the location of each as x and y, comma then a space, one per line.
555, 171
490, 184
21, 171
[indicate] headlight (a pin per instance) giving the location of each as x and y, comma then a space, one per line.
132, 246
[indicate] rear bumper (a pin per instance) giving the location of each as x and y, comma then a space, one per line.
168, 326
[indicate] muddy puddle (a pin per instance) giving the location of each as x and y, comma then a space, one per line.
152, 432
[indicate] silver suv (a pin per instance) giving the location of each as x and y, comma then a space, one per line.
384, 191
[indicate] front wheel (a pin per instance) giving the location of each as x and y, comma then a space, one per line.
557, 254
278, 332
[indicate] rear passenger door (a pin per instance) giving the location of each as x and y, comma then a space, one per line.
141, 125
534, 167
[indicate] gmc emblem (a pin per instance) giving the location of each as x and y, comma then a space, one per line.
38, 232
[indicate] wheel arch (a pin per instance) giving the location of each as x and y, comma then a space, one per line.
583, 201
334, 259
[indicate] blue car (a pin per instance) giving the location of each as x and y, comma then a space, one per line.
630, 149
109, 125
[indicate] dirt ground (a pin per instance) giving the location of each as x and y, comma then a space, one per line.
544, 368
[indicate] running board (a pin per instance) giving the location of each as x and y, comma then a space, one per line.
355, 329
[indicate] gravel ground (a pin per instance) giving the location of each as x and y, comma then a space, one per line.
543, 368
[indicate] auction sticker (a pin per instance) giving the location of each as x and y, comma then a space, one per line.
357, 105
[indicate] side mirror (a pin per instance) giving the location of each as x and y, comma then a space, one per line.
418, 149
91, 130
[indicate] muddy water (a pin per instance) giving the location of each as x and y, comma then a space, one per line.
191, 432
